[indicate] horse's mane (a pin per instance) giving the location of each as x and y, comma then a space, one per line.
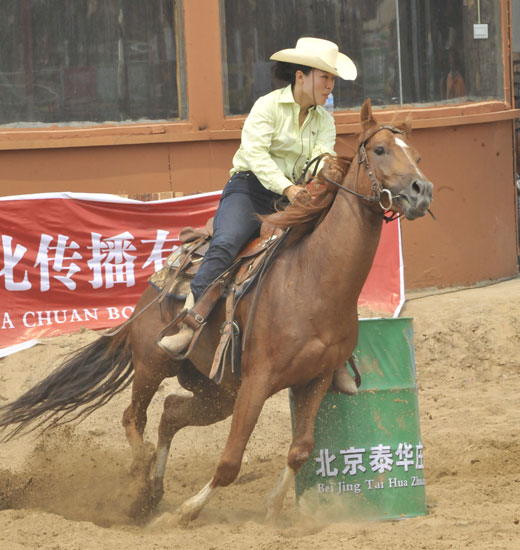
306, 212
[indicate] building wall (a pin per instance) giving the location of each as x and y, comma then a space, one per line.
180, 167
467, 151
474, 238
515, 26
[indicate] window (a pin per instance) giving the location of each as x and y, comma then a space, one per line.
70, 61
426, 55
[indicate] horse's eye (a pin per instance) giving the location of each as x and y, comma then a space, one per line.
379, 150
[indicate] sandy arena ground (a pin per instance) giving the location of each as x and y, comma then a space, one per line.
69, 490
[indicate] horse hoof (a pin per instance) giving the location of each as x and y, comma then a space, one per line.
192, 507
188, 511
144, 505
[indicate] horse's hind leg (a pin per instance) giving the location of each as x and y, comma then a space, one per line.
209, 404
145, 384
306, 400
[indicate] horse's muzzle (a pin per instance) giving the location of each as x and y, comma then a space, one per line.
415, 200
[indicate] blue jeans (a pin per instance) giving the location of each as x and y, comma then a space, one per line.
236, 221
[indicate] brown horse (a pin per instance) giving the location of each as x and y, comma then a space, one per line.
305, 326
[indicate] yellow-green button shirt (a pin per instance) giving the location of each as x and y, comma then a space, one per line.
274, 147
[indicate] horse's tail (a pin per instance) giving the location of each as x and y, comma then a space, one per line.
83, 383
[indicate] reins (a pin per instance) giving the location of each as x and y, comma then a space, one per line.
378, 191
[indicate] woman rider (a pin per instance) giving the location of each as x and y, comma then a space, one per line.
284, 130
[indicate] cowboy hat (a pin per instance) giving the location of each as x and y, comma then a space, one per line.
319, 54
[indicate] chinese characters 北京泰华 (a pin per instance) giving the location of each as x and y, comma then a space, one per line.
380, 459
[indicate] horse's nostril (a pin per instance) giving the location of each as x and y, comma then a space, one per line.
416, 187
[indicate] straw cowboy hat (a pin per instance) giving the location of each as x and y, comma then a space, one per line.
319, 54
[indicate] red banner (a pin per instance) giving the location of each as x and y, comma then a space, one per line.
71, 261
383, 292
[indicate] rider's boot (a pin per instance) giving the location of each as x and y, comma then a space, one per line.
343, 381
178, 342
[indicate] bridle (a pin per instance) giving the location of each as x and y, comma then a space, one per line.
379, 193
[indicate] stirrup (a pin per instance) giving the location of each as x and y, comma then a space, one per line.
183, 354
185, 334
184, 351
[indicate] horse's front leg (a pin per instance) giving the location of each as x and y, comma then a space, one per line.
210, 403
250, 400
306, 401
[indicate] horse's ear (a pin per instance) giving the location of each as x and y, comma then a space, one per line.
367, 120
404, 125
407, 124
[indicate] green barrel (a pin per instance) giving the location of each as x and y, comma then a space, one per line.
368, 456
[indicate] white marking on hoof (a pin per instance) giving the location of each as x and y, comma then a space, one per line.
274, 501
192, 507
